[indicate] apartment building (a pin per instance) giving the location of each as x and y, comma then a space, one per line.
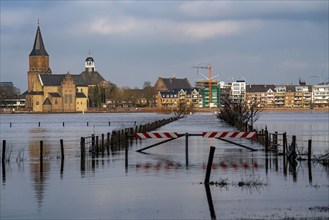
172, 99
238, 90
260, 95
320, 95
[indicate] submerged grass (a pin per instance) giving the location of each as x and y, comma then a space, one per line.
244, 183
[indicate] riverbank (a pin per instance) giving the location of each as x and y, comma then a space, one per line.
156, 110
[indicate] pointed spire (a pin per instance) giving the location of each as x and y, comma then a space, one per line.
38, 47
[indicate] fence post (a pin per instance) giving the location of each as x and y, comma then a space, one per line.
41, 156
309, 153
62, 149
126, 151
83, 153
284, 143
186, 149
209, 165
97, 146
103, 145
275, 140
266, 140
3, 152
108, 143
93, 140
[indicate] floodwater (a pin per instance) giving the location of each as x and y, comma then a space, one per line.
160, 183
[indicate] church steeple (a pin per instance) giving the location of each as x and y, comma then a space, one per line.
38, 47
38, 62
39, 58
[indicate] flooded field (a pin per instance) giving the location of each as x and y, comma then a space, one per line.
159, 183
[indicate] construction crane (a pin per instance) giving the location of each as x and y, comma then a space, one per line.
209, 78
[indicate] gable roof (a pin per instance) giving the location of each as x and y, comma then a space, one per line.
80, 95
92, 78
259, 88
176, 84
57, 79
47, 102
38, 47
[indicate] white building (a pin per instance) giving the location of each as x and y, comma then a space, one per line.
238, 89
320, 95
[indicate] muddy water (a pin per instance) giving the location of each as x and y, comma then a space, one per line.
157, 184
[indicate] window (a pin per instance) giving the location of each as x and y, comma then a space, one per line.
65, 98
37, 103
70, 98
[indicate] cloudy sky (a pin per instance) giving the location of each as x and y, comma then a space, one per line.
136, 41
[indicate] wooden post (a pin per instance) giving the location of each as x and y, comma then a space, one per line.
109, 123
309, 152
93, 140
309, 162
209, 165
266, 140
87, 123
186, 149
3, 152
275, 140
126, 151
62, 149
83, 153
96, 148
41, 156
10, 124
39, 123
108, 143
284, 147
3, 161
63, 124
103, 145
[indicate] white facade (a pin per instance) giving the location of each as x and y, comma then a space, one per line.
238, 89
320, 95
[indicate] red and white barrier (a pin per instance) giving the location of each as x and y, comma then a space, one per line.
226, 134
145, 135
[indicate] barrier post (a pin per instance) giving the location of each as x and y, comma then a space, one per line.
209, 165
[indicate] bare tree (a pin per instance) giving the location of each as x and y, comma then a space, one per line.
239, 113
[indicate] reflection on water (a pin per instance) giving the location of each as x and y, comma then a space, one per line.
305, 125
159, 183
39, 180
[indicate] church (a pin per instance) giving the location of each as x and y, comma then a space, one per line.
49, 92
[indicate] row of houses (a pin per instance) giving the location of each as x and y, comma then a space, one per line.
272, 96
171, 92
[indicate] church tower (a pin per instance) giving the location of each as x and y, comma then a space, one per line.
38, 62
38, 65
90, 65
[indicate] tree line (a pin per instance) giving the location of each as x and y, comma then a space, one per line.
114, 96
